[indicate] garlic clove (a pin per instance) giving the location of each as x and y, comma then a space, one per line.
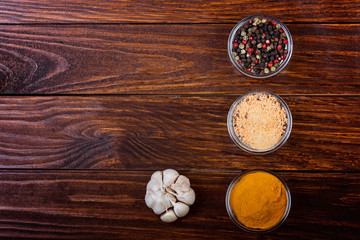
169, 177
181, 209
157, 177
154, 201
168, 216
187, 197
182, 184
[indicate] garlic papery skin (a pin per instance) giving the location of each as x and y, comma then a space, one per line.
169, 193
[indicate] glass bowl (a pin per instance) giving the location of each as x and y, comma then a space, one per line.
243, 145
282, 63
232, 215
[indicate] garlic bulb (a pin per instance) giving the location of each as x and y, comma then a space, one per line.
169, 193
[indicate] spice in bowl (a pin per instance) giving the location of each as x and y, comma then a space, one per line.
258, 201
260, 46
259, 122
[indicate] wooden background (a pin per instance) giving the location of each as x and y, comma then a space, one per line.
95, 96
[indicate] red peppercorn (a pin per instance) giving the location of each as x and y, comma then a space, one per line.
235, 44
250, 21
267, 41
270, 64
264, 45
276, 61
283, 57
256, 61
281, 30
264, 34
274, 23
243, 41
279, 47
250, 50
256, 53
285, 41
248, 69
239, 61
250, 38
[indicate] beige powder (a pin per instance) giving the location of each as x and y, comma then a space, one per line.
260, 121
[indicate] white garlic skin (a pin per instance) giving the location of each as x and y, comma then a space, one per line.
169, 193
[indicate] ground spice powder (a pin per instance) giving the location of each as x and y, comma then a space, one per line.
260, 121
259, 200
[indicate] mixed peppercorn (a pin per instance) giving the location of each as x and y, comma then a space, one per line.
260, 46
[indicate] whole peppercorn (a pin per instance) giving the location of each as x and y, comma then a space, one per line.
260, 45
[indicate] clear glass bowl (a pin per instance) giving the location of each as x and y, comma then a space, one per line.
283, 63
246, 147
232, 215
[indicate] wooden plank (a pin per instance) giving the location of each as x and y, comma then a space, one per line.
110, 205
158, 11
157, 59
137, 132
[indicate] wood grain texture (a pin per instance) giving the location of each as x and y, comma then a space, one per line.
157, 59
110, 205
160, 11
151, 132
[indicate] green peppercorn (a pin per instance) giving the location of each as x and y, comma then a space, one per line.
237, 58
273, 69
266, 70
241, 46
243, 51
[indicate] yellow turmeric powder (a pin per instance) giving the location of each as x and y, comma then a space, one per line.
259, 200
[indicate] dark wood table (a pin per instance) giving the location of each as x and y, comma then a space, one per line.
97, 95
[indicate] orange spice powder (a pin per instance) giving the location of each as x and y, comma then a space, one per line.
259, 200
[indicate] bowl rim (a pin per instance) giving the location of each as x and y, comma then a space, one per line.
283, 63
246, 147
232, 215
